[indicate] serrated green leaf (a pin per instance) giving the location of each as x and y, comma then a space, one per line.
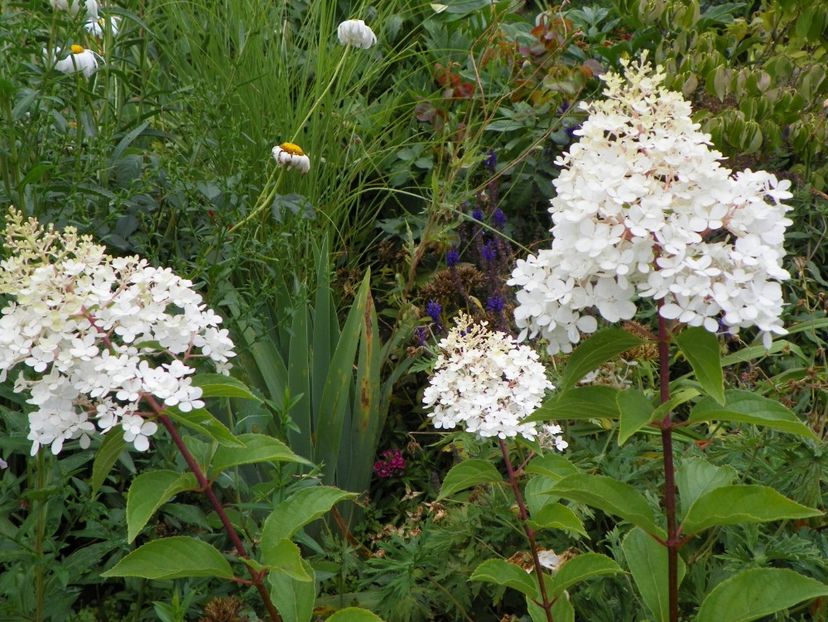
537, 494
172, 558
635, 410
562, 610
257, 448
558, 516
501, 572
756, 593
301, 508
284, 556
701, 348
696, 476
742, 503
552, 466
676, 399
354, 614
112, 446
467, 474
594, 352
201, 421
746, 407
721, 82
647, 561
218, 385
610, 496
596, 402
580, 568
294, 599
148, 492
753, 352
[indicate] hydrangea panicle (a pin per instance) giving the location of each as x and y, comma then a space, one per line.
97, 334
644, 208
486, 383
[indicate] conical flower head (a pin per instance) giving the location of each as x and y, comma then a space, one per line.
644, 208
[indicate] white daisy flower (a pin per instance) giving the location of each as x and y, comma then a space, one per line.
291, 156
356, 33
80, 60
74, 6
97, 27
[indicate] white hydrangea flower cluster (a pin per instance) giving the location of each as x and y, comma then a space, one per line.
644, 208
100, 334
485, 382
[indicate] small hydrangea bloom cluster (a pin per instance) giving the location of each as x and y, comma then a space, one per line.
97, 334
645, 209
392, 464
485, 382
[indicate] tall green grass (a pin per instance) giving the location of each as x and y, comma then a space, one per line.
253, 71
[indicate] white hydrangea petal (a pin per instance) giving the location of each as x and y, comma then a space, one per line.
486, 383
88, 374
640, 201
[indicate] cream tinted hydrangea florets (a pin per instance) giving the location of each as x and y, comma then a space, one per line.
97, 335
486, 383
644, 208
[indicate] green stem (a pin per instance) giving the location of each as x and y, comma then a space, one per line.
673, 541
321, 95
40, 537
267, 195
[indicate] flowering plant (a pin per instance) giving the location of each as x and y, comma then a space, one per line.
97, 334
644, 208
356, 33
113, 341
489, 384
486, 382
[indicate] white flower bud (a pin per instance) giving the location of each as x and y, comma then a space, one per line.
356, 33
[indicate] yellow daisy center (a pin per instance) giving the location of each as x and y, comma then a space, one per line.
77, 49
292, 149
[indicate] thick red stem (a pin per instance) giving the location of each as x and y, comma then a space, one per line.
207, 489
530, 533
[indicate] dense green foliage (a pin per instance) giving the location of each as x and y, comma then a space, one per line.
419, 146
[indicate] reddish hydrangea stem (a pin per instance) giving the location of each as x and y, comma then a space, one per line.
206, 487
530, 533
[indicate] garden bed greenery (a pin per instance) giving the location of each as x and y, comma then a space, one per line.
304, 417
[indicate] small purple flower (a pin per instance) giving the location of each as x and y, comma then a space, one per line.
498, 219
490, 161
421, 334
434, 310
495, 303
477, 214
489, 252
563, 107
452, 257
